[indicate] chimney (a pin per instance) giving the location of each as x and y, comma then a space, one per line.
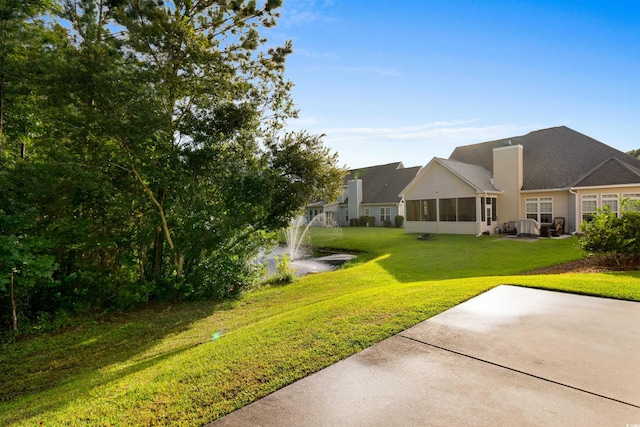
355, 198
508, 177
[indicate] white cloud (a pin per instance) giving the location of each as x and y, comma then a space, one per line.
413, 145
429, 132
376, 70
310, 54
304, 12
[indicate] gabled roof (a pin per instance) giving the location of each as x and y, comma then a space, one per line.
381, 184
553, 158
474, 175
610, 172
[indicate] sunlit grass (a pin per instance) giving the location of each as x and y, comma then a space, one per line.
190, 364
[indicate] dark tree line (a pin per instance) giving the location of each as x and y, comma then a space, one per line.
142, 151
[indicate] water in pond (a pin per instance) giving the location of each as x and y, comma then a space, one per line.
316, 263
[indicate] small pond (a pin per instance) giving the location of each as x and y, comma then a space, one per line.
317, 262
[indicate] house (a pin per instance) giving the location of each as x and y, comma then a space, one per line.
371, 192
543, 175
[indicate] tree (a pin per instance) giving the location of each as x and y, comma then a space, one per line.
220, 102
635, 153
158, 165
23, 37
23, 265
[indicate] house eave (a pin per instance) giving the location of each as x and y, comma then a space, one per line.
596, 187
489, 192
379, 203
546, 190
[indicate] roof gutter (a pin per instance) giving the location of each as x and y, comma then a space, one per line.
546, 190
595, 187
485, 192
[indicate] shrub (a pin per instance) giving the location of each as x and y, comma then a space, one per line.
399, 221
222, 275
616, 239
354, 222
284, 271
387, 223
367, 221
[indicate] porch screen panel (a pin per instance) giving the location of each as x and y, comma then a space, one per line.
448, 210
494, 209
413, 210
467, 209
429, 212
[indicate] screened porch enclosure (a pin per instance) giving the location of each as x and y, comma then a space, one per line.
451, 215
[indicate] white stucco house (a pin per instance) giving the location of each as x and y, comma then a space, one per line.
544, 175
372, 192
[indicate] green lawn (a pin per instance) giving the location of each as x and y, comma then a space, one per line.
190, 364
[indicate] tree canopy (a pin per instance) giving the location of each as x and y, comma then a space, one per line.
142, 150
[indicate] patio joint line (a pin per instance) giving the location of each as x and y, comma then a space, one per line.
518, 371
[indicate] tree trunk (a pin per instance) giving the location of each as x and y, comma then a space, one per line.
158, 251
3, 56
14, 310
157, 254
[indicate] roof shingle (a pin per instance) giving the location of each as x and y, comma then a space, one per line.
554, 158
382, 183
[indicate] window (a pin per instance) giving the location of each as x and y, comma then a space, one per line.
447, 209
385, 214
611, 201
539, 208
429, 212
366, 212
346, 216
634, 199
313, 213
328, 218
466, 209
413, 210
589, 205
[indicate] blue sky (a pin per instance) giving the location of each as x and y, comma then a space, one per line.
408, 80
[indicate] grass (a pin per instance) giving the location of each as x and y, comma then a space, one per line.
190, 364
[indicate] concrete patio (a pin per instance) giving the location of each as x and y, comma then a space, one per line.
512, 355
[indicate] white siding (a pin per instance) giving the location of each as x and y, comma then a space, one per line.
439, 182
442, 227
374, 211
561, 202
599, 192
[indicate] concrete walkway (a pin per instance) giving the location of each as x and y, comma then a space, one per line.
511, 356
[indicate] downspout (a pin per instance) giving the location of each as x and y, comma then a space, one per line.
575, 218
482, 208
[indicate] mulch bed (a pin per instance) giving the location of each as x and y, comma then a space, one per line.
587, 265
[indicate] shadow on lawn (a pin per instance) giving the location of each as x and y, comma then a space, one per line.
462, 256
53, 360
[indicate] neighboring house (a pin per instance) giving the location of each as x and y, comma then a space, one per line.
371, 191
545, 174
